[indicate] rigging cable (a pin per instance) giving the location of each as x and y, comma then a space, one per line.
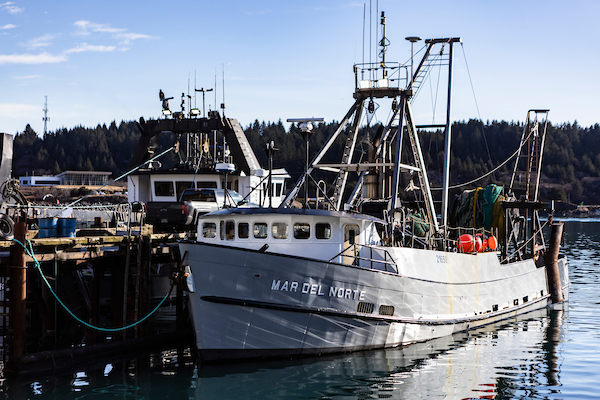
493, 170
120, 177
476, 104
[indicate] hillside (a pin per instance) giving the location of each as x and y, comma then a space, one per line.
571, 169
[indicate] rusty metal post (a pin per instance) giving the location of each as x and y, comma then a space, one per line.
552, 272
18, 305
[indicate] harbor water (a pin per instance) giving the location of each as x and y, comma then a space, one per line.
549, 354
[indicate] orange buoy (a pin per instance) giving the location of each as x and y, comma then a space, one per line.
492, 243
478, 244
465, 243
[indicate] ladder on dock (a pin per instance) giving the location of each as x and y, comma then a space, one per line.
526, 173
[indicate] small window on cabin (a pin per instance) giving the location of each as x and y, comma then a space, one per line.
279, 230
323, 230
206, 185
301, 230
243, 230
163, 188
229, 230
222, 230
260, 230
180, 186
278, 187
209, 230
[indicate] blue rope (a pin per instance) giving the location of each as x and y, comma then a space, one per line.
31, 254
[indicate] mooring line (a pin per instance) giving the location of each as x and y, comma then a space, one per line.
31, 254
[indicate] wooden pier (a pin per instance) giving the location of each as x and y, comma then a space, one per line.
106, 281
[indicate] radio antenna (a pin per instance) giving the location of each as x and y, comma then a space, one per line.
223, 103
45, 118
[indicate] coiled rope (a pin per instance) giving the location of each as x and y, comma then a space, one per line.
31, 254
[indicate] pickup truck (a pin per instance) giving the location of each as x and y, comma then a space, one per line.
191, 205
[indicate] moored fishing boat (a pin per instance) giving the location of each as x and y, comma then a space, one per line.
373, 269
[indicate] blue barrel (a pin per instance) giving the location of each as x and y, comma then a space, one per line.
66, 227
48, 227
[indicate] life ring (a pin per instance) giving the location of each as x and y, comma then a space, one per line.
7, 227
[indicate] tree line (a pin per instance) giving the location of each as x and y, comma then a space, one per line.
570, 170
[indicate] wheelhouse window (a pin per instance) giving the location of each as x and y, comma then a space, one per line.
243, 230
180, 186
206, 185
164, 188
229, 230
260, 230
323, 230
279, 230
301, 230
209, 230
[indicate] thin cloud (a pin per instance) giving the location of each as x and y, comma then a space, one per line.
88, 47
8, 26
86, 28
28, 77
127, 38
16, 110
42, 41
42, 58
10, 7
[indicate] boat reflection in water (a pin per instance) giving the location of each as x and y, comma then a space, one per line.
507, 360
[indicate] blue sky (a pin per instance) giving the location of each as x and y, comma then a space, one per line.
99, 61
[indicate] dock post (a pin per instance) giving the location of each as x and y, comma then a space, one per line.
18, 305
552, 272
144, 293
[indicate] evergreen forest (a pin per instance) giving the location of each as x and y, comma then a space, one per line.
571, 165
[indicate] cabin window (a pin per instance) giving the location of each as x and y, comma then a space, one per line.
260, 230
278, 187
162, 188
279, 230
323, 230
222, 230
301, 230
229, 230
180, 186
209, 230
243, 230
206, 185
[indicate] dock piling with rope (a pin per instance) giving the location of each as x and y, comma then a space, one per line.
69, 294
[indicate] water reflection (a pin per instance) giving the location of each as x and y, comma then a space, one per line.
516, 359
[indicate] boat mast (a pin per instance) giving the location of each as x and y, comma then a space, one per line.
448, 136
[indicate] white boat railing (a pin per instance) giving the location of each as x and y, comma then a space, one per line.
367, 256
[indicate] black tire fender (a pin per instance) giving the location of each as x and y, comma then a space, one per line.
7, 227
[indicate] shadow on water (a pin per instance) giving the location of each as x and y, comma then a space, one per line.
515, 359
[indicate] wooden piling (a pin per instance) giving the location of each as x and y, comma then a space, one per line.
552, 272
18, 305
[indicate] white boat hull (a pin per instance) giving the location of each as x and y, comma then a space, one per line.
251, 304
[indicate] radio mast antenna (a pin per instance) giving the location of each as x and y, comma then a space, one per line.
45, 118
